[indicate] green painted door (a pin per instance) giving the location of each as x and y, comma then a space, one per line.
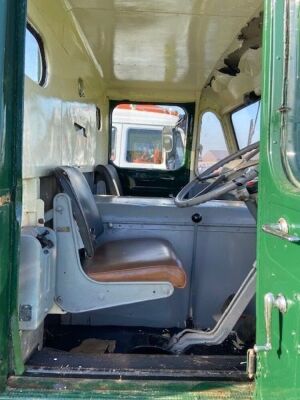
278, 286
12, 32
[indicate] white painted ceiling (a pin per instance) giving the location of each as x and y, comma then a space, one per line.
165, 44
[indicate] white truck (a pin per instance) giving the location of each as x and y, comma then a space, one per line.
147, 137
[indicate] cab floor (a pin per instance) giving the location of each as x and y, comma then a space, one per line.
132, 340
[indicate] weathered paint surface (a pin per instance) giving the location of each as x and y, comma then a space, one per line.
171, 53
278, 260
50, 111
12, 25
4, 217
37, 388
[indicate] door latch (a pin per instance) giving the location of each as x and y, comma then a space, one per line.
281, 230
270, 301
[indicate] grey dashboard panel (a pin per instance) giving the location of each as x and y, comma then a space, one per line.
162, 210
216, 253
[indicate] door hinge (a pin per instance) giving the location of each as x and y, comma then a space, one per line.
251, 363
5, 199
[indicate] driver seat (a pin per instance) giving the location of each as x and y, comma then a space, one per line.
127, 260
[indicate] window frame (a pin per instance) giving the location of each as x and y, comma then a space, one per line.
155, 182
98, 118
145, 167
41, 46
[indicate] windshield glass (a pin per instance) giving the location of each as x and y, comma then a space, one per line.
246, 124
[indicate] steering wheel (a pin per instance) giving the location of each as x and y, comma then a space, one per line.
232, 172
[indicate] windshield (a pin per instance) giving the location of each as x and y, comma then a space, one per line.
246, 124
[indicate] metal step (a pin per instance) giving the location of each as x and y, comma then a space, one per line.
49, 362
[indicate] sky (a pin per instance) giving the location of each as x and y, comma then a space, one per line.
32, 57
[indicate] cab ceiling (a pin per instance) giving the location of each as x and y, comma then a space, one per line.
170, 45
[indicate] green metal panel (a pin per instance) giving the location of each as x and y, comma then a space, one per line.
56, 388
12, 28
278, 260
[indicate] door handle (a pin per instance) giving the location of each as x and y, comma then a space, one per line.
281, 230
270, 301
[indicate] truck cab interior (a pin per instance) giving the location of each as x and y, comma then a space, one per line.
140, 180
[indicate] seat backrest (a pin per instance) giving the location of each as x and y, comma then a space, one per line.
86, 214
109, 175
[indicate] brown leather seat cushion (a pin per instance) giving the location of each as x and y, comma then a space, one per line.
135, 260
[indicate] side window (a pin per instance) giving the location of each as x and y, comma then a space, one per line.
290, 130
148, 136
212, 145
144, 146
246, 124
35, 64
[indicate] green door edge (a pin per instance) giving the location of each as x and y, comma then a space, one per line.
12, 39
59, 388
272, 88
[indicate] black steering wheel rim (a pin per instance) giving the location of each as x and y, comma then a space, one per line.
246, 176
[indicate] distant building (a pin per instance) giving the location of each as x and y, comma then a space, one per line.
214, 156
210, 158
